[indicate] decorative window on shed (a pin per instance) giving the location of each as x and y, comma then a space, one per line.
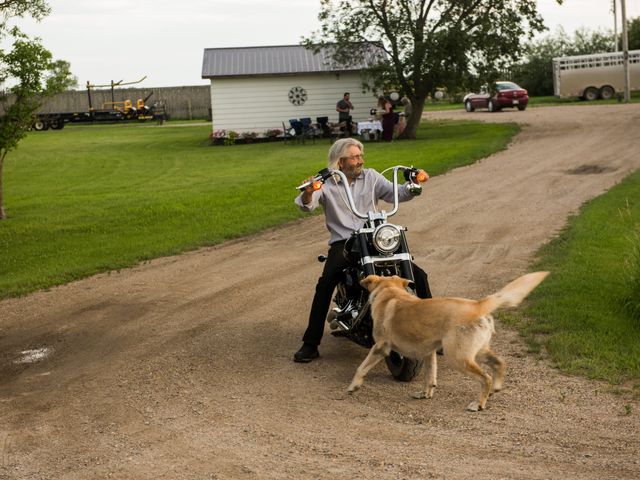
297, 96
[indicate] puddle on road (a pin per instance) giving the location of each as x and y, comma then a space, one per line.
589, 170
34, 356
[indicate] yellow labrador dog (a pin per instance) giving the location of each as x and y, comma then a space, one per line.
416, 328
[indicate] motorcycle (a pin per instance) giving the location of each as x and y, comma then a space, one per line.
379, 248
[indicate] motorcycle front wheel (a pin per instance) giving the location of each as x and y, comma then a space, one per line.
402, 368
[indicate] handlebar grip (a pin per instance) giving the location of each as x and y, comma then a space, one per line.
414, 175
421, 177
305, 185
409, 173
317, 181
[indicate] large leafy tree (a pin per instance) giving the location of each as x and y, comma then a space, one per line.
426, 44
28, 74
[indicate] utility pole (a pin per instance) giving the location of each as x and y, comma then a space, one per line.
625, 51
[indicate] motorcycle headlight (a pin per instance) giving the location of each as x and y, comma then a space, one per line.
386, 238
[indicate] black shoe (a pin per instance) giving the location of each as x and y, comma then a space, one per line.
306, 353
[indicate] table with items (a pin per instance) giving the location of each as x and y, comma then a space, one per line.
370, 130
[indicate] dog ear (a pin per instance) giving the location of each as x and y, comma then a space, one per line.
370, 281
402, 282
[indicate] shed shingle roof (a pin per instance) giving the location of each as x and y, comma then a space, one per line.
287, 59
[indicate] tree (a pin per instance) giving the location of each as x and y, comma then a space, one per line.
426, 44
633, 34
27, 76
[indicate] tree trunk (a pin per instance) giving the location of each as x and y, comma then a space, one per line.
413, 122
2, 212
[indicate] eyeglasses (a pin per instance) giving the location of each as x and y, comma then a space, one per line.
353, 157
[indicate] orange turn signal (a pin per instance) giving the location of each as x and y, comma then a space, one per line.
422, 177
317, 185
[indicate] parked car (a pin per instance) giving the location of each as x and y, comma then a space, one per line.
503, 95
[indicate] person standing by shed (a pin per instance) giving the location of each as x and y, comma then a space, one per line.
344, 107
388, 118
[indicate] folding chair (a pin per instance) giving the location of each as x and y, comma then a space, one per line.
288, 136
297, 127
308, 130
323, 123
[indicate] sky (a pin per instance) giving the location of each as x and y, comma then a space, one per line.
164, 40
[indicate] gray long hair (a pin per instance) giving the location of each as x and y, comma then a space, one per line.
339, 150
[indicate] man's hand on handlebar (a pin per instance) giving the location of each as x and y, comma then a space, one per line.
311, 185
416, 175
422, 176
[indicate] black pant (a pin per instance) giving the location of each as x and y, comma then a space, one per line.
331, 276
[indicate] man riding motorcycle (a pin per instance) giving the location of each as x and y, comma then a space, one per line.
346, 155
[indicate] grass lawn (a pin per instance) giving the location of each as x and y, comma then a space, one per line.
587, 312
89, 199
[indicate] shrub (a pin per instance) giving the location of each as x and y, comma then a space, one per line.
249, 137
273, 133
231, 137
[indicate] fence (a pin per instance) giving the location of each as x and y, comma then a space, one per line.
181, 103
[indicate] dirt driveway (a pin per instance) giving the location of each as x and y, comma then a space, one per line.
181, 368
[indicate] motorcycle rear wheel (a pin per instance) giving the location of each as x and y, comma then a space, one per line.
402, 368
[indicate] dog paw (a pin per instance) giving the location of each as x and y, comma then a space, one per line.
473, 407
421, 395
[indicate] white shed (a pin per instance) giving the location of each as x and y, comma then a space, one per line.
258, 88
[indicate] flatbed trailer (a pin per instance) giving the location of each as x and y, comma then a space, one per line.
110, 112
594, 76
57, 120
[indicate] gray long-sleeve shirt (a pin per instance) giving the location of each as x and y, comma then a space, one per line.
340, 222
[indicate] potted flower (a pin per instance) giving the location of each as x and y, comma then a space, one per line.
249, 137
217, 137
272, 134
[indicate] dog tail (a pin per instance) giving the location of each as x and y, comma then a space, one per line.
513, 294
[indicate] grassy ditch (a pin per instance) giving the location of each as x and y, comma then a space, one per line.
551, 100
89, 199
586, 314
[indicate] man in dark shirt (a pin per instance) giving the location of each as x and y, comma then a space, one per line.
343, 107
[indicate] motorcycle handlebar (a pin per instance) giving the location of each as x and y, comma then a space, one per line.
411, 174
321, 176
415, 175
